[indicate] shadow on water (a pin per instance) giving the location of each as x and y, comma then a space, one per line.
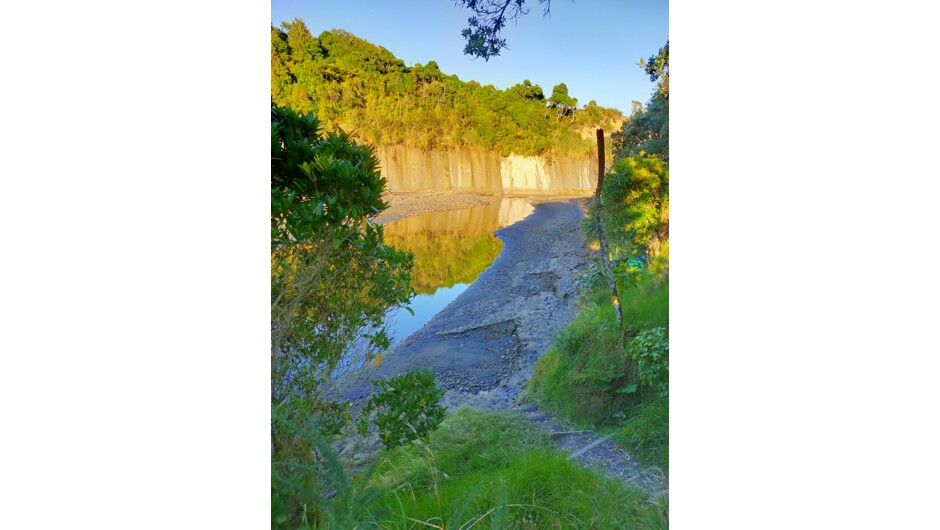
451, 250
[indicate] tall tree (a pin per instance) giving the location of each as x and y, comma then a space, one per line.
657, 66
647, 130
561, 98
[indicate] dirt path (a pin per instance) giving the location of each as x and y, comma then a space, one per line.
484, 344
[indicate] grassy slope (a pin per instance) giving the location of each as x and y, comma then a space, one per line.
579, 378
493, 470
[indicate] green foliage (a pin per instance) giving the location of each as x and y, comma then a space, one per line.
647, 129
649, 351
357, 86
404, 408
635, 211
332, 281
590, 374
483, 31
528, 91
332, 276
657, 66
586, 376
561, 98
494, 470
600, 374
468, 440
318, 181
313, 492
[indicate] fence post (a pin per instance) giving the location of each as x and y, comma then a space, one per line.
605, 259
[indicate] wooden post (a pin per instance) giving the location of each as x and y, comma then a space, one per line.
608, 274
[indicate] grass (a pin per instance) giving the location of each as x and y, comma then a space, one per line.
485, 469
588, 378
646, 434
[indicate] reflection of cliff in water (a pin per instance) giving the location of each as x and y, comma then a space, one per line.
454, 247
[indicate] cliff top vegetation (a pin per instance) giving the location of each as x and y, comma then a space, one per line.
352, 84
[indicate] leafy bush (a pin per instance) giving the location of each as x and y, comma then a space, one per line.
332, 276
332, 280
649, 350
405, 409
636, 203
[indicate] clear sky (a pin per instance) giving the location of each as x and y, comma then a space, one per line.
592, 46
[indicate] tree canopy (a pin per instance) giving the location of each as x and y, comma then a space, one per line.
657, 66
561, 98
647, 129
362, 88
332, 276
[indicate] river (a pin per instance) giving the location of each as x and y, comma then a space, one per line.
451, 250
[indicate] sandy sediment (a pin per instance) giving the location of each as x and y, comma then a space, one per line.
403, 204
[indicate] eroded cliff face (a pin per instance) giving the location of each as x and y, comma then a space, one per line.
412, 169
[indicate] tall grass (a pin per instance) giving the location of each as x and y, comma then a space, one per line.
646, 433
588, 377
586, 374
494, 470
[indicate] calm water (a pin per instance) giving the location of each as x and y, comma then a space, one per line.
451, 250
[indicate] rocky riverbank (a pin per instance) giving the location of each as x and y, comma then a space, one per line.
484, 344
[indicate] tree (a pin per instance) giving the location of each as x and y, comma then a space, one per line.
647, 130
483, 34
300, 39
332, 276
333, 279
528, 91
561, 98
352, 84
657, 66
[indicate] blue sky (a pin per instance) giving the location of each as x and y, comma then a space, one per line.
592, 46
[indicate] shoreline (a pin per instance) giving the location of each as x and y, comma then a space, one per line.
483, 346
404, 204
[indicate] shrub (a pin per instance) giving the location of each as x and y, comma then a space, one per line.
649, 351
405, 409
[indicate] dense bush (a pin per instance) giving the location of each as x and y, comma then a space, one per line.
332, 276
649, 351
404, 408
333, 279
353, 84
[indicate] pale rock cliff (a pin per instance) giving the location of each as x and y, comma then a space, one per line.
412, 169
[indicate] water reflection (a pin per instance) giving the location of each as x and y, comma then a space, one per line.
451, 249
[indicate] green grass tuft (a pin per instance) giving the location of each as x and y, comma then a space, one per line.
494, 470
646, 434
